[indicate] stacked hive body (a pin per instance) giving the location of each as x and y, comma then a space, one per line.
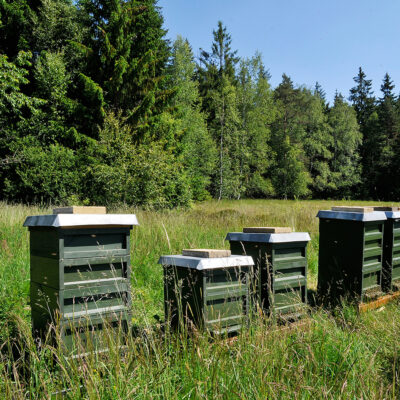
279, 278
80, 276
391, 249
350, 254
207, 288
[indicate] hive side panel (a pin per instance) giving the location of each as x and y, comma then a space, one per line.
226, 299
44, 242
372, 260
183, 296
391, 255
340, 259
95, 242
46, 271
259, 273
289, 286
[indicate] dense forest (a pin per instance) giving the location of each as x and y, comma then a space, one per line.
98, 107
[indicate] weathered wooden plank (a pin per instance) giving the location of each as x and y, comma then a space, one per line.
206, 253
357, 209
372, 305
385, 208
80, 210
267, 229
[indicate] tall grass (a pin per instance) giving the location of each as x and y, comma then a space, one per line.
340, 355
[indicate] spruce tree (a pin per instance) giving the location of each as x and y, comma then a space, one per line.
362, 97
316, 141
389, 125
220, 61
257, 112
219, 96
345, 162
290, 175
303, 119
55, 24
319, 92
126, 56
196, 147
363, 102
15, 27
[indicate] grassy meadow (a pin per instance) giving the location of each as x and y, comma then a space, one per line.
341, 355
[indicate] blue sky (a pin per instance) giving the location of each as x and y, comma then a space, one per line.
310, 40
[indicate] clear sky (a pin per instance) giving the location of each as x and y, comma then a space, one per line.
309, 40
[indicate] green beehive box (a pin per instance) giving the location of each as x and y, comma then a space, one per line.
208, 291
81, 335
350, 254
80, 272
391, 249
279, 278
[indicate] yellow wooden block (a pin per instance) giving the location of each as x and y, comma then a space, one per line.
356, 209
80, 210
206, 253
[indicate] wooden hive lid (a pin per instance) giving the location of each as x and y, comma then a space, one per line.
355, 209
206, 253
80, 210
386, 208
267, 229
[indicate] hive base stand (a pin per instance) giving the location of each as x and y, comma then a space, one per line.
373, 305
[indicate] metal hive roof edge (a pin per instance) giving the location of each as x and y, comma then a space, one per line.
392, 214
71, 220
352, 216
268, 237
206, 263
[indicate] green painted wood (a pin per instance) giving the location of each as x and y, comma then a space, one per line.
371, 281
79, 275
295, 262
391, 256
277, 266
93, 299
289, 282
214, 299
225, 292
349, 260
44, 242
396, 272
95, 242
81, 335
61, 273
288, 297
222, 313
45, 270
93, 272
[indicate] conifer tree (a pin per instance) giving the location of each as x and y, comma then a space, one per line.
217, 87
316, 140
319, 92
290, 177
388, 114
221, 61
55, 24
15, 27
256, 112
344, 165
197, 147
389, 126
362, 98
363, 102
127, 55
